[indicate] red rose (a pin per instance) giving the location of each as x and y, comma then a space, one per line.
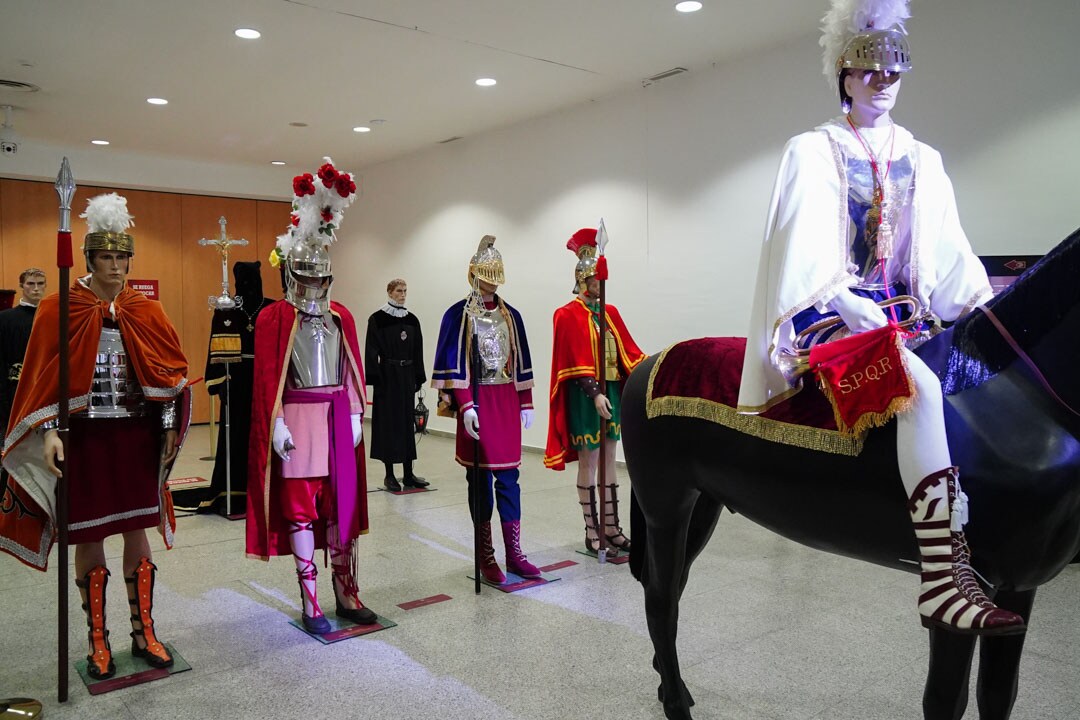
303, 185
327, 216
345, 185
328, 175
295, 220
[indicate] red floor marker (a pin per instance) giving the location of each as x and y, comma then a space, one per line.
413, 604
558, 565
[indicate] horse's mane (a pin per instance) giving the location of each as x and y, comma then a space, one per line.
1029, 308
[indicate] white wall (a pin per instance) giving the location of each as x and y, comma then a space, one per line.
682, 171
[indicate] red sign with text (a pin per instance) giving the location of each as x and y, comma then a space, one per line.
149, 288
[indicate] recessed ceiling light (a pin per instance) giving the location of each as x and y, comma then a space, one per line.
157, 101
99, 142
485, 82
248, 33
297, 124
361, 129
688, 6
277, 162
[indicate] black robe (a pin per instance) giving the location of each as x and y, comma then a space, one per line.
394, 363
15, 325
230, 340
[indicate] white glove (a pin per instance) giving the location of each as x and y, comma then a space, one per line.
527, 417
472, 423
282, 439
357, 428
858, 313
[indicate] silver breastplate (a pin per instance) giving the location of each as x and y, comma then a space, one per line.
316, 353
493, 340
114, 391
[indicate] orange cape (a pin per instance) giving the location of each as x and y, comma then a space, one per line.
573, 355
153, 347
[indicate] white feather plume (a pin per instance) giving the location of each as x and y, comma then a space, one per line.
108, 213
847, 18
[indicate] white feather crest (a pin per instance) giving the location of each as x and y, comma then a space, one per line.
108, 213
317, 216
847, 18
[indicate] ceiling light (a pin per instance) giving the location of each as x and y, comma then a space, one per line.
277, 162
298, 124
248, 33
157, 101
688, 6
99, 142
361, 129
485, 82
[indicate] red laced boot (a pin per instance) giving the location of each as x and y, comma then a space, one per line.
516, 562
950, 596
140, 590
99, 663
343, 561
489, 568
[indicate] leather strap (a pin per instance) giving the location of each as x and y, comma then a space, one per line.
1027, 360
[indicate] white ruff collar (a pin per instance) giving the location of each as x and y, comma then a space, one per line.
397, 311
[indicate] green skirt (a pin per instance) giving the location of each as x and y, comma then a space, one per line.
583, 421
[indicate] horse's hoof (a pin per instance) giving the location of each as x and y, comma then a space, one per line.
686, 694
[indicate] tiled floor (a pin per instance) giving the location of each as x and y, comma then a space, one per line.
769, 629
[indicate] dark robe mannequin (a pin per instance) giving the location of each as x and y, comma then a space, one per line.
232, 337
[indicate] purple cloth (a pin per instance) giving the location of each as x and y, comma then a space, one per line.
499, 410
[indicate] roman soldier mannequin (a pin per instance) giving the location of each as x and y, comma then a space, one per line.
579, 410
306, 479
127, 370
483, 332
862, 213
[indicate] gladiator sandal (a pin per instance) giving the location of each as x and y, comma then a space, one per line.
516, 562
588, 509
489, 568
316, 622
99, 663
140, 590
343, 562
950, 595
615, 539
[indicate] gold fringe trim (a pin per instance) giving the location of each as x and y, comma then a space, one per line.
810, 438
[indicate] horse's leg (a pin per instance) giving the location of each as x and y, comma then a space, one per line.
702, 523
668, 521
999, 661
946, 693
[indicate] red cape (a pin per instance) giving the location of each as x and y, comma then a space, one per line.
274, 329
573, 355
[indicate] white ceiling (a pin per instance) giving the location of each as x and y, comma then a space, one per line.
335, 64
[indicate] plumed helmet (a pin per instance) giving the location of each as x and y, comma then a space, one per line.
487, 263
583, 244
864, 35
108, 219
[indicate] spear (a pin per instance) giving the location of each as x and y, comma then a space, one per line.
65, 188
601, 355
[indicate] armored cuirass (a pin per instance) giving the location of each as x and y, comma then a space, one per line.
316, 353
611, 358
493, 341
114, 391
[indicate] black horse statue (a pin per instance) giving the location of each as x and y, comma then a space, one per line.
1013, 434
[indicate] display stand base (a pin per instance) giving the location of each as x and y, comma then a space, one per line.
130, 671
621, 559
424, 602
187, 483
342, 629
516, 582
408, 491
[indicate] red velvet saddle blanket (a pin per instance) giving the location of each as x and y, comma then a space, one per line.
700, 379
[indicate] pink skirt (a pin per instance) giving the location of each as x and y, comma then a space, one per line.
499, 410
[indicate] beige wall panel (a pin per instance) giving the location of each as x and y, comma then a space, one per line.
273, 218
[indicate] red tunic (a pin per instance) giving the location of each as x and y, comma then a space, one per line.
573, 355
274, 329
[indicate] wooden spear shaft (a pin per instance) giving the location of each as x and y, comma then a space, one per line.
601, 470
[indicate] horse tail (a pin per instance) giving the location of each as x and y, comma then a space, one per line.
638, 548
